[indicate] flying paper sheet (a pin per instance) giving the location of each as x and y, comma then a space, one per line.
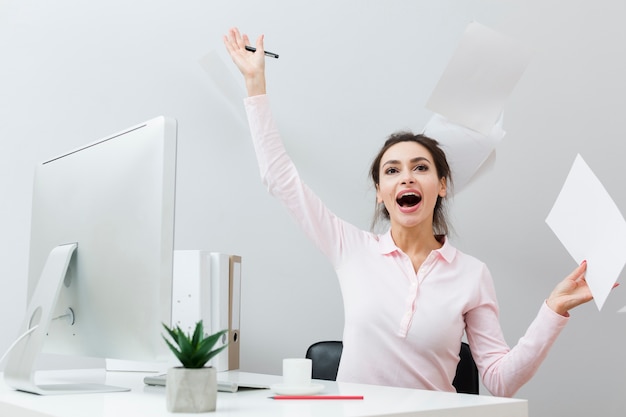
479, 78
591, 227
224, 80
466, 149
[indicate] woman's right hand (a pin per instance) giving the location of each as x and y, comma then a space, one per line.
251, 64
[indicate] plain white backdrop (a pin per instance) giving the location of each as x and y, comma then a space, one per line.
349, 73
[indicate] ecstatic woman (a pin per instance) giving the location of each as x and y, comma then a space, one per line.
409, 295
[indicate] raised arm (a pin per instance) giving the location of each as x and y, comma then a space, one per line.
251, 64
278, 171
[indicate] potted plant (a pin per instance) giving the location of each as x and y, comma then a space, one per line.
192, 387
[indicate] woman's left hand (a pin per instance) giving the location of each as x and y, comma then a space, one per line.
571, 292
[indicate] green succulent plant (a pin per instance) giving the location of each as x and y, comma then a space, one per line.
193, 350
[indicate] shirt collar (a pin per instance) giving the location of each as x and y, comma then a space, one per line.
388, 246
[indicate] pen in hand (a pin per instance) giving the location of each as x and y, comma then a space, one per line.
267, 53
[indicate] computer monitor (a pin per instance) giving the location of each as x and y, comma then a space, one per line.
101, 254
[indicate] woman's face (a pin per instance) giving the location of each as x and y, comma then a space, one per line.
409, 184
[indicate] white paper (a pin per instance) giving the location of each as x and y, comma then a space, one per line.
591, 227
467, 151
479, 78
224, 80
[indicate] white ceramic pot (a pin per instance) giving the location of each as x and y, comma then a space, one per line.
191, 390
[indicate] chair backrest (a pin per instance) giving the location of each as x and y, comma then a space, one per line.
325, 357
466, 379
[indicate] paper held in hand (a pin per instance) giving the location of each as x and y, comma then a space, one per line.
591, 228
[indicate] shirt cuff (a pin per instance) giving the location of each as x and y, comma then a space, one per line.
255, 100
553, 315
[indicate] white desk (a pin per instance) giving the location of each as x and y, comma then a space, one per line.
145, 400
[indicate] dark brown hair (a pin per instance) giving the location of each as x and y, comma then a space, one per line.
440, 223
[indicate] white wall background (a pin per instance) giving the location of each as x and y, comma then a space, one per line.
350, 73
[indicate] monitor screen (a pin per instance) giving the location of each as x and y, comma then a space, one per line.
113, 202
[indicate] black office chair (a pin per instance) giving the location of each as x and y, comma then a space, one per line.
466, 379
325, 357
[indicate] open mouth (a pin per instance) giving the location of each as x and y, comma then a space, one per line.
409, 200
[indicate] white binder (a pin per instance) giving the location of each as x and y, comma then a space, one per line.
191, 291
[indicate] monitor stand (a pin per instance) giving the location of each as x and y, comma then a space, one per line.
20, 368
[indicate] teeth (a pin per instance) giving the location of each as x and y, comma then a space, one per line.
409, 194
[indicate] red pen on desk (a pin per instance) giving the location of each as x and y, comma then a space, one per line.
317, 397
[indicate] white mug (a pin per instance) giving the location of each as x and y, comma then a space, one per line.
297, 372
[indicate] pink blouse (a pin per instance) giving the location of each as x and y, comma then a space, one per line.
403, 328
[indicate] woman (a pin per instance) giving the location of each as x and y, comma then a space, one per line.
408, 294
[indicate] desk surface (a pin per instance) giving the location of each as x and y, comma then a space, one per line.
145, 400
